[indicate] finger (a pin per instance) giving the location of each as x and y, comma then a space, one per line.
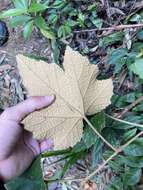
37, 147
31, 143
21, 110
46, 145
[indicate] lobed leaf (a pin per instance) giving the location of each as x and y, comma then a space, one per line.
78, 93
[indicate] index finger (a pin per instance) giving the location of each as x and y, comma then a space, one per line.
21, 110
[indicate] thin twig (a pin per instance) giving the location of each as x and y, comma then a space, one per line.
100, 167
84, 180
132, 105
132, 140
97, 133
122, 78
67, 179
126, 122
112, 156
119, 27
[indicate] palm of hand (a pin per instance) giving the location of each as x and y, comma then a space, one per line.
17, 146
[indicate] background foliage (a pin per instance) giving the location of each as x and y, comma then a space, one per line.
118, 53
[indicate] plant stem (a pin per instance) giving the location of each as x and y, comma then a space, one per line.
126, 122
55, 153
132, 105
97, 133
112, 156
118, 27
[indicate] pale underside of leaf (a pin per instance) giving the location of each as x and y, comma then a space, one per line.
60, 121
78, 93
95, 93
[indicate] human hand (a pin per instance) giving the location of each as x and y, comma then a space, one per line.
17, 146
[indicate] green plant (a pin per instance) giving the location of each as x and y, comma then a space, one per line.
56, 20
27, 13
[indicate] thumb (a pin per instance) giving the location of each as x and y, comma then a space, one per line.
21, 110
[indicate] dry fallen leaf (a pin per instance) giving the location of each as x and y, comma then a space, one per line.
78, 93
90, 186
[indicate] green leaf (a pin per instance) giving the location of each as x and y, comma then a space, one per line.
56, 51
98, 22
79, 147
72, 161
138, 108
28, 30
117, 57
107, 154
52, 18
132, 119
137, 47
37, 7
111, 136
97, 152
68, 8
89, 136
140, 35
136, 162
136, 18
131, 176
58, 4
129, 134
135, 149
55, 153
92, 7
130, 97
72, 23
81, 19
19, 20
67, 29
64, 30
116, 184
48, 33
40, 22
112, 39
37, 57
61, 31
32, 179
121, 101
22, 4
13, 12
137, 67
116, 165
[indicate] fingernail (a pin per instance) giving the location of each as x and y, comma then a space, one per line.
50, 98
